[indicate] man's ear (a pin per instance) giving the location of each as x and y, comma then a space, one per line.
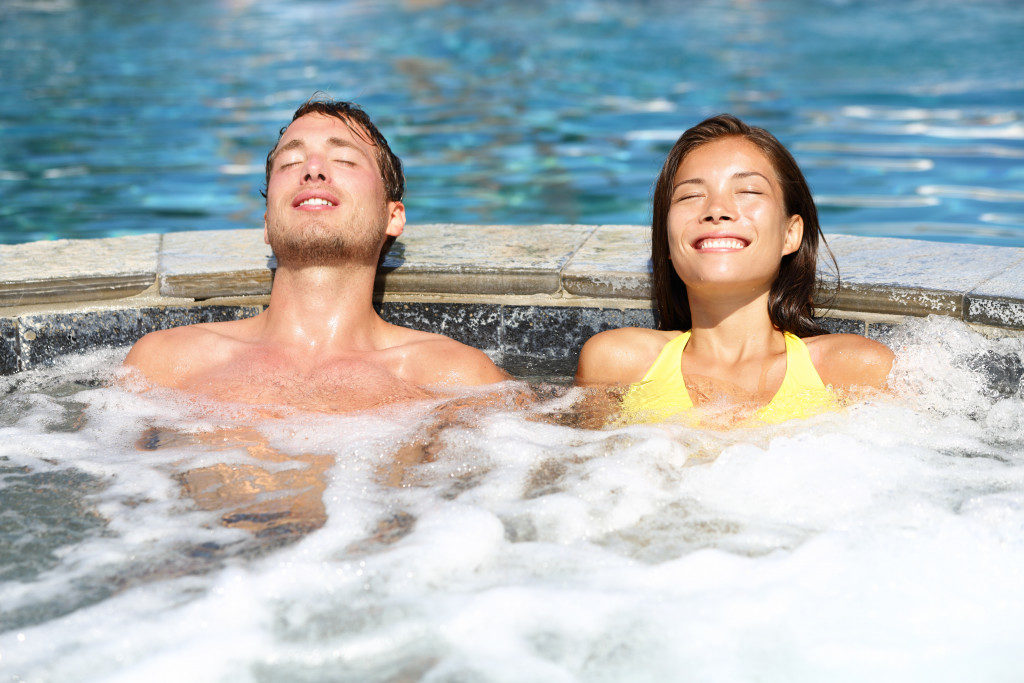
266, 238
396, 219
794, 234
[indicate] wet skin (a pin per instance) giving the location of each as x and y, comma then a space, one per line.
728, 231
319, 345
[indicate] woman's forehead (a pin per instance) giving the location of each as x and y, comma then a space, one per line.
727, 152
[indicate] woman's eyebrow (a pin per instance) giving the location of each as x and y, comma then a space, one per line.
698, 181
741, 175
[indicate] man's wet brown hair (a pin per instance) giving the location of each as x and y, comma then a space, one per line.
360, 124
790, 300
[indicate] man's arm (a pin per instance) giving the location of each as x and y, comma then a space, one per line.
473, 367
446, 361
167, 357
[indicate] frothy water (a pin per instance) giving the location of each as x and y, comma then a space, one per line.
885, 542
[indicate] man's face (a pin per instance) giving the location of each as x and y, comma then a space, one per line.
325, 198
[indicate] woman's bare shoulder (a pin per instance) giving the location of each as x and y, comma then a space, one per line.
850, 360
620, 356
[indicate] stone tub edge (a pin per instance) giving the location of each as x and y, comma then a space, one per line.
530, 295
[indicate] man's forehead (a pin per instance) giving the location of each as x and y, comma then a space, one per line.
316, 125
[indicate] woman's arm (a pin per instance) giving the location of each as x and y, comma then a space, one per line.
849, 361
618, 357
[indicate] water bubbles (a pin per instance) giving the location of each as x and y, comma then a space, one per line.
519, 541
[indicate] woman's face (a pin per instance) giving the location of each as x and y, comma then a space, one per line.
727, 222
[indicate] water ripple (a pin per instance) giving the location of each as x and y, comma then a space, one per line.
875, 201
983, 194
121, 117
1004, 218
912, 149
909, 165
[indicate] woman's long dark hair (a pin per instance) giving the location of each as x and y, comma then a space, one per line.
790, 300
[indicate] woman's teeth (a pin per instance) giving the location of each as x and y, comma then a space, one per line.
721, 243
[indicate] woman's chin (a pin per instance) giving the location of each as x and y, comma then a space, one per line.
727, 280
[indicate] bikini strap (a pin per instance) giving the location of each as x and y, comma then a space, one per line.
669, 360
800, 371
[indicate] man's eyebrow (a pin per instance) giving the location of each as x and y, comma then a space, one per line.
342, 142
298, 143
290, 145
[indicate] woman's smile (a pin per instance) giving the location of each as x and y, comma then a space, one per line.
727, 201
720, 243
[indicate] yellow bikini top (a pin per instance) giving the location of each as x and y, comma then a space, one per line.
662, 392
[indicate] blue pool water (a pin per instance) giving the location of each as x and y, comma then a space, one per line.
128, 117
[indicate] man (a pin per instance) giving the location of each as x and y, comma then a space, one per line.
334, 197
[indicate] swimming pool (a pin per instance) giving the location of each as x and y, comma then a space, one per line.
882, 542
148, 535
128, 117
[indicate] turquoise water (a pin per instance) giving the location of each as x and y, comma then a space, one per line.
128, 117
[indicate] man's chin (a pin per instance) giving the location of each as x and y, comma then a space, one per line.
316, 243
324, 252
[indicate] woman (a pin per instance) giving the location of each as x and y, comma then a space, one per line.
734, 251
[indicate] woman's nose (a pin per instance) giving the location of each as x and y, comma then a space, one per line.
719, 208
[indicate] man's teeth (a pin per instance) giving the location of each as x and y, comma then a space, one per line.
316, 201
721, 243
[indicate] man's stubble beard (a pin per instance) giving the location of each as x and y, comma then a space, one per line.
355, 241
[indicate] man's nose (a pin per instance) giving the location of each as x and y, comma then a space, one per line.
316, 169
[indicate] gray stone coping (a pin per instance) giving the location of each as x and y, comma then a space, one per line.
913, 277
614, 262
494, 259
980, 284
209, 263
77, 270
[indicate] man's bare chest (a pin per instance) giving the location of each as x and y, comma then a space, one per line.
334, 385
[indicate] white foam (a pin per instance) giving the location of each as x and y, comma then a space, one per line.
884, 542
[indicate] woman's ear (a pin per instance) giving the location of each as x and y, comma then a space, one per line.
794, 234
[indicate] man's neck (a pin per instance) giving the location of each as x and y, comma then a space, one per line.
323, 309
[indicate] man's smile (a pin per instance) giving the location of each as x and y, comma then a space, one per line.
314, 200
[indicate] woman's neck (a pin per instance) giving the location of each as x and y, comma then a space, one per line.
732, 329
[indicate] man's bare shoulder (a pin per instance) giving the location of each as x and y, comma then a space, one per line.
850, 360
620, 356
427, 358
169, 357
